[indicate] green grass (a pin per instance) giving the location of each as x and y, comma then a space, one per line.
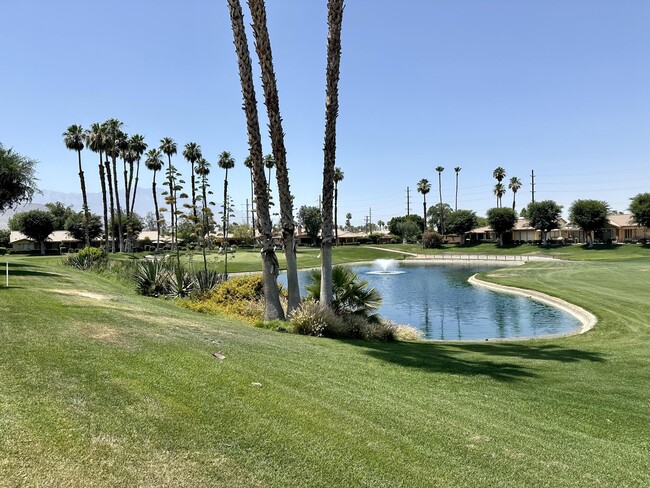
574, 252
124, 391
249, 260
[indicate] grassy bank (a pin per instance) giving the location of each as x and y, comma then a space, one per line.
101, 387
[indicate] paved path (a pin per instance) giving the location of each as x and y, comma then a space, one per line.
448, 256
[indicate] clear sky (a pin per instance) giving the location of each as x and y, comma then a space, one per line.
561, 87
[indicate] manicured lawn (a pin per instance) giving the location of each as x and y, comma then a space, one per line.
114, 389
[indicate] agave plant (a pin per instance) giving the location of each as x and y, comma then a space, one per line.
181, 283
206, 280
152, 278
352, 296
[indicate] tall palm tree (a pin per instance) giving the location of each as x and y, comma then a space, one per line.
272, 101
248, 162
192, 153
514, 185
155, 163
499, 191
441, 228
457, 170
334, 22
73, 139
273, 308
128, 157
338, 177
226, 161
138, 146
499, 174
269, 162
115, 136
168, 147
96, 142
203, 170
424, 187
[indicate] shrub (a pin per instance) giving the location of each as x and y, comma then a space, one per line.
152, 277
3, 251
207, 280
88, 257
181, 283
432, 240
314, 319
249, 287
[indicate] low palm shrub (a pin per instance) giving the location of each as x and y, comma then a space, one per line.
87, 258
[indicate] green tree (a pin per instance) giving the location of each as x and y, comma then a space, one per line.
270, 267
35, 224
138, 148
192, 153
5, 237
115, 139
96, 142
155, 163
226, 161
441, 227
499, 191
589, 215
457, 170
169, 148
310, 219
514, 185
17, 178
410, 232
501, 220
640, 208
75, 225
60, 213
348, 220
460, 222
73, 139
544, 216
424, 187
499, 174
434, 216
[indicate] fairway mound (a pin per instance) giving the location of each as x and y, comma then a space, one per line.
81, 293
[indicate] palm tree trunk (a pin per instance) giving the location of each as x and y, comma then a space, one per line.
225, 225
103, 183
514, 194
442, 229
336, 214
334, 21
424, 205
110, 192
206, 230
273, 308
252, 209
269, 84
155, 204
456, 200
127, 193
194, 195
116, 188
84, 200
135, 187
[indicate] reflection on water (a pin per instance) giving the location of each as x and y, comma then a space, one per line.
438, 300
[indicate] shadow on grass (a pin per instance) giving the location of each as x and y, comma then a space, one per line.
475, 359
22, 269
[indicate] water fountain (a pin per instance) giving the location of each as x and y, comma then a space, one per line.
386, 267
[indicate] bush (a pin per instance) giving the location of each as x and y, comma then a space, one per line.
87, 258
3, 251
314, 319
250, 287
152, 277
432, 240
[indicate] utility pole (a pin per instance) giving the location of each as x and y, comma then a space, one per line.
366, 219
370, 220
532, 184
408, 201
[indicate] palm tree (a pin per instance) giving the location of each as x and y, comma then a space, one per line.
499, 174
514, 185
499, 191
115, 135
192, 153
269, 162
73, 139
381, 223
168, 147
155, 163
138, 147
269, 84
226, 161
457, 170
273, 308
248, 162
338, 177
334, 21
128, 156
439, 169
203, 170
424, 187
96, 142
348, 217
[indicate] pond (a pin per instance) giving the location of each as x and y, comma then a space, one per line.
438, 300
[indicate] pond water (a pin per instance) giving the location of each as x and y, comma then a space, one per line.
438, 300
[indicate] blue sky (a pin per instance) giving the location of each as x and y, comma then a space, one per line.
559, 87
